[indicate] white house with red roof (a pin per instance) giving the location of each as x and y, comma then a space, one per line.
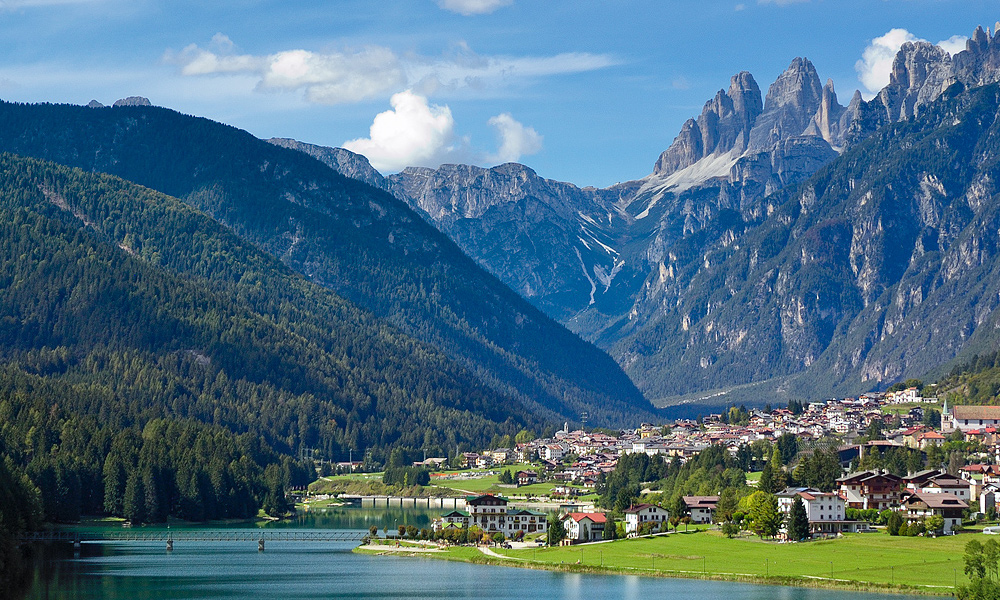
584, 527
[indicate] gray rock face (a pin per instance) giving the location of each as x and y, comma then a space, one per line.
133, 101
94, 104
550, 241
724, 126
791, 104
343, 161
922, 73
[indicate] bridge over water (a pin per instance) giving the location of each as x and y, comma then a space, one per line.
169, 536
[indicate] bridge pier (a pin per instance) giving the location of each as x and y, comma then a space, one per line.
260, 545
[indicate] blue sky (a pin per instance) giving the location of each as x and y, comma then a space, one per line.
582, 91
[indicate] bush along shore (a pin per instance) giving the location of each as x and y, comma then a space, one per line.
872, 562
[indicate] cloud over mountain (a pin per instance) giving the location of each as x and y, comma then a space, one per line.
370, 72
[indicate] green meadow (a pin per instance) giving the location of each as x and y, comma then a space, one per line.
859, 561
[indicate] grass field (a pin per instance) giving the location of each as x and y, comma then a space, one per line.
873, 560
489, 482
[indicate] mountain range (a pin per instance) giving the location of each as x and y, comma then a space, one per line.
506, 364
754, 263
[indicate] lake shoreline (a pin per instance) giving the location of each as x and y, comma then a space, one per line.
845, 585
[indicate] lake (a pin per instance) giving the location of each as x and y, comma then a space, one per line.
224, 570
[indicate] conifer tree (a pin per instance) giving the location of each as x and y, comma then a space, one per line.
797, 524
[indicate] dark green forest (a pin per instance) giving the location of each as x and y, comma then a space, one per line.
155, 364
363, 243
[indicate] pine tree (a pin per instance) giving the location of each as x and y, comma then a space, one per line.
135, 499
766, 483
777, 472
797, 524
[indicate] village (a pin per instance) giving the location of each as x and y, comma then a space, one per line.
937, 500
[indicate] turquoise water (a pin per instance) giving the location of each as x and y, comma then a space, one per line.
223, 570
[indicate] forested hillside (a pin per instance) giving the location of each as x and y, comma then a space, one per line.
150, 353
362, 242
976, 381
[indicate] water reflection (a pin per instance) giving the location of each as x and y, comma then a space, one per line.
310, 570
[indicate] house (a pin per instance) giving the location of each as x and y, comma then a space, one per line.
948, 484
455, 518
920, 505
826, 510
565, 490
501, 456
469, 459
493, 515
701, 509
488, 512
639, 514
526, 477
929, 438
966, 418
988, 497
551, 452
528, 521
870, 489
915, 481
584, 527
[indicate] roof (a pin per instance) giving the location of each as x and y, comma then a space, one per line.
595, 517
933, 500
641, 507
701, 501
474, 500
866, 475
922, 475
975, 412
456, 513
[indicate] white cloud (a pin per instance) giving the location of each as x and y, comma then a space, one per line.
473, 7
954, 44
18, 4
413, 133
876, 60
371, 72
516, 140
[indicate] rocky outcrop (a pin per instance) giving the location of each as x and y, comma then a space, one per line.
94, 104
922, 73
345, 162
133, 101
737, 122
724, 126
791, 103
552, 242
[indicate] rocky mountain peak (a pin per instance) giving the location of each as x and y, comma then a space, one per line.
921, 72
791, 102
94, 104
133, 101
745, 94
723, 126
799, 85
